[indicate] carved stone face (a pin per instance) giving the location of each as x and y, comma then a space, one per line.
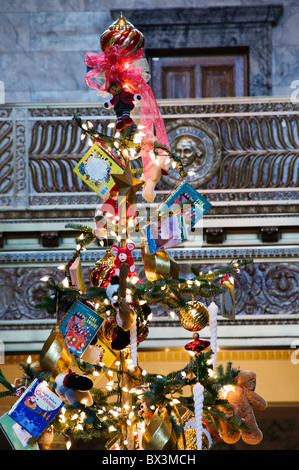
199, 149
188, 150
283, 283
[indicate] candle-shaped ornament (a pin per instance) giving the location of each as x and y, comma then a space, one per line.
213, 311
198, 395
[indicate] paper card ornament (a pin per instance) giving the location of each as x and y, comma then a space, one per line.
76, 274
99, 353
79, 327
227, 299
15, 434
96, 167
184, 198
36, 408
166, 233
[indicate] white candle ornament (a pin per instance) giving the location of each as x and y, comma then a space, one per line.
198, 396
133, 342
213, 311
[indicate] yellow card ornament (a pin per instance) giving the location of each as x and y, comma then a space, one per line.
96, 167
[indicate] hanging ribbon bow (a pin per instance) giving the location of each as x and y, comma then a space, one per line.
112, 65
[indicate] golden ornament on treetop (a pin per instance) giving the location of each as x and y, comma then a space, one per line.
195, 317
124, 34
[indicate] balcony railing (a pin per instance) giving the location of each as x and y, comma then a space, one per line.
245, 155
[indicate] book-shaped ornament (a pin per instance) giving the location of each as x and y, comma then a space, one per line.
186, 200
96, 167
99, 353
166, 232
17, 437
76, 274
36, 408
79, 327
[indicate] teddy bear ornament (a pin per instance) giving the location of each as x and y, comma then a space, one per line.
243, 398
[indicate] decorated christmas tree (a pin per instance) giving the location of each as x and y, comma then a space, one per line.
99, 328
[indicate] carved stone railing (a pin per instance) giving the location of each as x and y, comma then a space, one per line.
245, 154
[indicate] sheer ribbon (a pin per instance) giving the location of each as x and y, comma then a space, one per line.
110, 66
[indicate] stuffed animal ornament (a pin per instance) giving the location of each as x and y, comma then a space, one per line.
123, 255
73, 388
152, 175
112, 291
123, 102
116, 293
243, 398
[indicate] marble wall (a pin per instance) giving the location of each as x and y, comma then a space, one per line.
42, 44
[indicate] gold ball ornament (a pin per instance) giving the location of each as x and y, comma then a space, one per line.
195, 317
124, 34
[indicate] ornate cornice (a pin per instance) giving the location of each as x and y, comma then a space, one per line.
180, 254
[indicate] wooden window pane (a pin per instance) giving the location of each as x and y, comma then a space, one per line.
178, 82
218, 81
199, 76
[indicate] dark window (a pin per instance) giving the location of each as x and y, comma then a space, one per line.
199, 75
